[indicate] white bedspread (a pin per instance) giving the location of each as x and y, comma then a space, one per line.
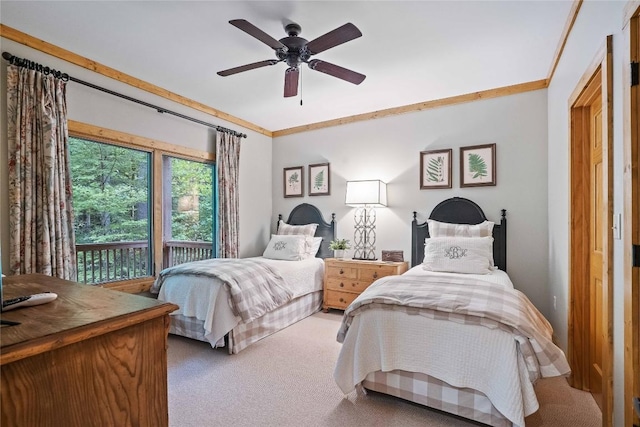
470, 356
207, 299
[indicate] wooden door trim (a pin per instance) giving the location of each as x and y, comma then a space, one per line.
631, 221
577, 342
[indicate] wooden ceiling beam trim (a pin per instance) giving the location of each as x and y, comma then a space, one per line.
571, 19
58, 52
475, 96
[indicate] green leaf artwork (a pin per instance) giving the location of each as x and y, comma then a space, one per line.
477, 166
293, 179
319, 180
435, 169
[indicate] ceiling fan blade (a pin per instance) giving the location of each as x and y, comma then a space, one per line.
247, 67
291, 82
334, 38
256, 32
336, 71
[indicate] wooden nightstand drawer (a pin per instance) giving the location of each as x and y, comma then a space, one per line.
375, 272
345, 279
340, 300
346, 285
340, 271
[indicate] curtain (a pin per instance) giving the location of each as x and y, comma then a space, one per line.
41, 237
227, 166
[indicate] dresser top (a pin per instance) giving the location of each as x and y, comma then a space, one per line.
79, 311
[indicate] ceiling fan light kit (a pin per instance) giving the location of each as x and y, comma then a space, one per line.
295, 50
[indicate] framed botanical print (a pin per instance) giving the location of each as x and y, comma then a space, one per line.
293, 181
319, 180
478, 165
435, 169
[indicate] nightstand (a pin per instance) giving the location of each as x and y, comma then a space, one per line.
345, 279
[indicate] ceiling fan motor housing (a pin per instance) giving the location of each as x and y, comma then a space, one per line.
296, 51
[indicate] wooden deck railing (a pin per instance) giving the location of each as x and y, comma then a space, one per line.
180, 251
110, 262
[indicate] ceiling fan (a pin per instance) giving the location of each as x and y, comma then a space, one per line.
295, 50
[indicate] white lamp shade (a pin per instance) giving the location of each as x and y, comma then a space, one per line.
366, 193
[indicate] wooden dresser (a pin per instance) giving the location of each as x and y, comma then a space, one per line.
92, 357
345, 279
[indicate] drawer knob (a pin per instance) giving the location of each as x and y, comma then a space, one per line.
341, 285
375, 275
341, 271
341, 300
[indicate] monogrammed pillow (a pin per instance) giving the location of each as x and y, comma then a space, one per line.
469, 255
445, 229
288, 248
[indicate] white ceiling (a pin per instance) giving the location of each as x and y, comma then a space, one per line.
410, 51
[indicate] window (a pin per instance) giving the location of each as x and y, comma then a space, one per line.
111, 199
188, 206
140, 206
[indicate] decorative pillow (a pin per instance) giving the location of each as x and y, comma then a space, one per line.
469, 255
304, 230
288, 248
445, 229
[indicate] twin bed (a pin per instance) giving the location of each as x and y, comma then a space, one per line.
236, 317
451, 333
455, 338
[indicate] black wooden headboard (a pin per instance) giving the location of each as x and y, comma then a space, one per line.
458, 210
304, 214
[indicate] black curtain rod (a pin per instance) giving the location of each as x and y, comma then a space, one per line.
64, 76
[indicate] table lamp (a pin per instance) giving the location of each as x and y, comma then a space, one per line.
365, 196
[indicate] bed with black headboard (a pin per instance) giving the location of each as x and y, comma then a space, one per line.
205, 298
448, 353
458, 210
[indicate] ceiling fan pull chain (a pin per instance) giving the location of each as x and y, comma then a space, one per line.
301, 87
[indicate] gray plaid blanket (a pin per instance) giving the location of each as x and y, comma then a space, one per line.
255, 288
467, 301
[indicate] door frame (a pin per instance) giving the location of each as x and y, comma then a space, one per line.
631, 222
578, 321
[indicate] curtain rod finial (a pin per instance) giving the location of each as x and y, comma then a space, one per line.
7, 56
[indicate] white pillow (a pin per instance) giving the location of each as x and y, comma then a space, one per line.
315, 246
445, 229
304, 230
312, 245
288, 248
469, 255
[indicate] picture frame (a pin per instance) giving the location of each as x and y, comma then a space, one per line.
319, 179
435, 169
478, 165
293, 181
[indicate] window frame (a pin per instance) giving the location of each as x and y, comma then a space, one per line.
157, 150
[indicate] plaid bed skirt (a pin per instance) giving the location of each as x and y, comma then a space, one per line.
428, 391
245, 334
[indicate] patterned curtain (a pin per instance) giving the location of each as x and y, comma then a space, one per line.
227, 165
42, 238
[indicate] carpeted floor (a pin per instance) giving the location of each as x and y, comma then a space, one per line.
287, 380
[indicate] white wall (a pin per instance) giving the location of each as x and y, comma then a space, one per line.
388, 149
595, 21
100, 109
